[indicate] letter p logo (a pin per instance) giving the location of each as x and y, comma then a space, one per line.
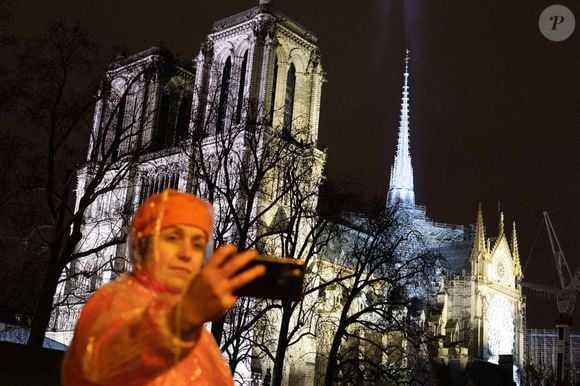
557, 23
557, 20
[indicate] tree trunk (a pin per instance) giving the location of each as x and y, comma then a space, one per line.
331, 365
217, 330
282, 346
233, 360
41, 317
331, 370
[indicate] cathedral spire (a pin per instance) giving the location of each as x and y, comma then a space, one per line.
479, 245
480, 229
514, 243
401, 182
500, 226
516, 254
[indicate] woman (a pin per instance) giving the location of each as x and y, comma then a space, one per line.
146, 327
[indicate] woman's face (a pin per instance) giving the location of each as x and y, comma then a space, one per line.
178, 256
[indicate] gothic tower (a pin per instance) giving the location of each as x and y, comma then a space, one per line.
259, 66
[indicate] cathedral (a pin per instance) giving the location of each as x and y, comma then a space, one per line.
164, 123
480, 309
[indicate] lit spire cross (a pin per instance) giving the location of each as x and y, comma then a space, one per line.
401, 182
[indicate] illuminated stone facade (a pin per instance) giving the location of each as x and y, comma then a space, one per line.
256, 68
480, 308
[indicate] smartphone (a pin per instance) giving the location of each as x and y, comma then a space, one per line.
283, 280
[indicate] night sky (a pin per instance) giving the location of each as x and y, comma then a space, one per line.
495, 106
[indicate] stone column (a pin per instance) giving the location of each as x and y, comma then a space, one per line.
203, 63
314, 119
264, 29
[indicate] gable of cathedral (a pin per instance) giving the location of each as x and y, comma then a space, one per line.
501, 264
479, 310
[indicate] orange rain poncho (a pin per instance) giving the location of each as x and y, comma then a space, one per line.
123, 335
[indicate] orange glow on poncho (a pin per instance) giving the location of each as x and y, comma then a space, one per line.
123, 336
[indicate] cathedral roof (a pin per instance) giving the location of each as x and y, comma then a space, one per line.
456, 256
264, 8
155, 51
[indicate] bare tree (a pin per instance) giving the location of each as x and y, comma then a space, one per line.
306, 235
263, 181
63, 69
368, 328
132, 129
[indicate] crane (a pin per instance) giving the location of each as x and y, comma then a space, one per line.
565, 300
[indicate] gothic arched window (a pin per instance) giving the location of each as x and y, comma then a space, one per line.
273, 96
182, 127
289, 99
119, 128
161, 131
241, 88
224, 91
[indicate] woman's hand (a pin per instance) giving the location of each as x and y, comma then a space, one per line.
211, 291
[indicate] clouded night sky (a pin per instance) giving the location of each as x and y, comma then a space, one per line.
495, 106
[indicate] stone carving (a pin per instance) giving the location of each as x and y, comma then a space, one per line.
264, 26
207, 48
314, 59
